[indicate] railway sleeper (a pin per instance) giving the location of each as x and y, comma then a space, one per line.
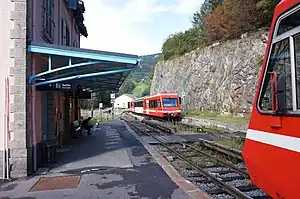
227, 179
262, 197
202, 181
194, 175
247, 188
216, 191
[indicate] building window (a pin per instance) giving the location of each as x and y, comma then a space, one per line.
48, 19
65, 33
75, 44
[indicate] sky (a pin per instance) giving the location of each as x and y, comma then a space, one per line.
135, 26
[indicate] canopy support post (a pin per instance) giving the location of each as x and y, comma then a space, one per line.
49, 63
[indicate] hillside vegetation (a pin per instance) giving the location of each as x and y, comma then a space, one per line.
219, 20
139, 81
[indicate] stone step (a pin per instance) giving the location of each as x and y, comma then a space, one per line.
1, 167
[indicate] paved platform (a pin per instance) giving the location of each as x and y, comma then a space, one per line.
111, 163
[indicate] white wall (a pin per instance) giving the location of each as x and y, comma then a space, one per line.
122, 101
6, 43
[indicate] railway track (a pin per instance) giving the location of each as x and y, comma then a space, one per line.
178, 126
217, 170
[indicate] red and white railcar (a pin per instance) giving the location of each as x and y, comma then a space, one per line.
161, 105
272, 147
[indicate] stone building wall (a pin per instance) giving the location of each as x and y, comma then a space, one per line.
18, 89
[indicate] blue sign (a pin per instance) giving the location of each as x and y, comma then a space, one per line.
56, 87
72, 4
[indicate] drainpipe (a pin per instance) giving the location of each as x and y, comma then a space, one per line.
7, 128
5, 131
33, 27
33, 91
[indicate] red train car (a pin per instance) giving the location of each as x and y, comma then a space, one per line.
161, 105
272, 147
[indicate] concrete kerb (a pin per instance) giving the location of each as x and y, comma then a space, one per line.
192, 190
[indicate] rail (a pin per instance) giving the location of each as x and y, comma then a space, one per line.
233, 191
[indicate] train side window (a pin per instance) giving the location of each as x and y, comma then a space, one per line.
179, 100
139, 104
297, 68
158, 103
153, 103
279, 62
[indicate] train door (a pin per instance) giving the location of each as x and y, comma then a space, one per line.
272, 145
147, 107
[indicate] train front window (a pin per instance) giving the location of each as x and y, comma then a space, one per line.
170, 102
279, 62
288, 23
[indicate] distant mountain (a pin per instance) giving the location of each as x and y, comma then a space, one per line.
146, 67
139, 81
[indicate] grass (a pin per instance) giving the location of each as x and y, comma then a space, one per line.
205, 129
213, 115
234, 143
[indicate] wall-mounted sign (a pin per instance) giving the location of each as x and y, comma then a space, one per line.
55, 87
112, 96
84, 95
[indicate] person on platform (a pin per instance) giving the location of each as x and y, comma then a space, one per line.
86, 125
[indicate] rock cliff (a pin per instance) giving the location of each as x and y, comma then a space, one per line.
221, 77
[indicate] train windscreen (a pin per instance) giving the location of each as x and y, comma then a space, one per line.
170, 102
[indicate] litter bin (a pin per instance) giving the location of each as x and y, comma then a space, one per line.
51, 146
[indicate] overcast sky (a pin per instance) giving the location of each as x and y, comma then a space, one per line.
135, 26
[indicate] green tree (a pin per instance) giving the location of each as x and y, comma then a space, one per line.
207, 7
127, 86
183, 42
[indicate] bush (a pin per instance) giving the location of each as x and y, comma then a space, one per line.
183, 42
219, 20
235, 17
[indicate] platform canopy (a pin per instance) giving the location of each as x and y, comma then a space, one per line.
93, 70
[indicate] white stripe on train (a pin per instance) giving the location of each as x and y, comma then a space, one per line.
156, 111
282, 141
140, 110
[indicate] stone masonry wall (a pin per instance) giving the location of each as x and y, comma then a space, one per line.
18, 92
221, 77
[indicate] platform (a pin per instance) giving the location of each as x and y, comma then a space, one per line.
111, 163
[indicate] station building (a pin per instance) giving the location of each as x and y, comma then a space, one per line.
44, 73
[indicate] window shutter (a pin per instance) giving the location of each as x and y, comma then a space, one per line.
43, 15
64, 31
52, 18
